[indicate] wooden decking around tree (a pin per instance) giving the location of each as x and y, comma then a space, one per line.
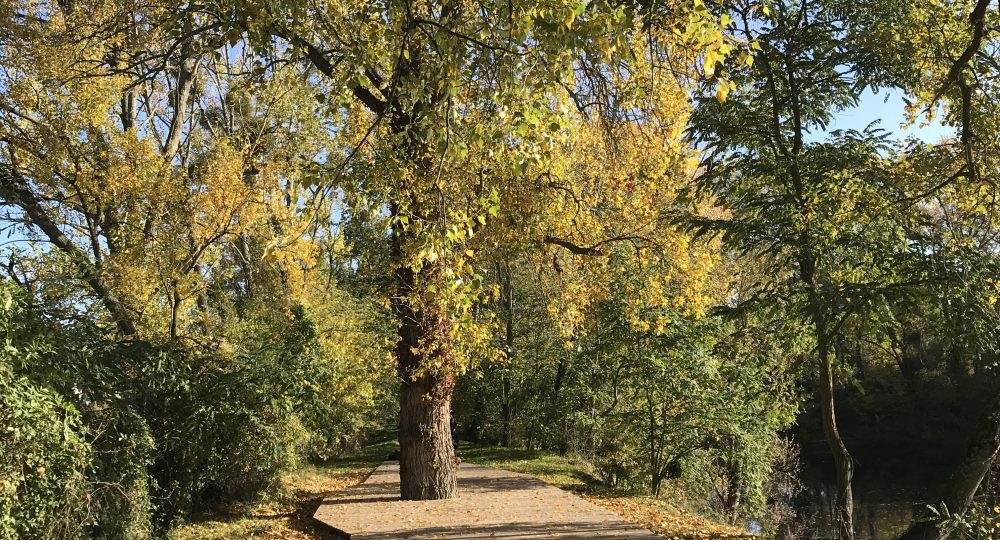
491, 504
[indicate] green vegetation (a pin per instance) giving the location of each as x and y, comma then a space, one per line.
562, 471
617, 239
145, 435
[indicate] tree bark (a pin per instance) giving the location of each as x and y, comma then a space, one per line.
426, 456
843, 463
560, 375
656, 469
913, 352
175, 307
507, 412
734, 494
844, 509
508, 406
181, 100
427, 459
965, 481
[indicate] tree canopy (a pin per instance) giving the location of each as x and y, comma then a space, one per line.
243, 235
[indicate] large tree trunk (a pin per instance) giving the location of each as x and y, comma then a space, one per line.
844, 509
964, 483
427, 459
426, 455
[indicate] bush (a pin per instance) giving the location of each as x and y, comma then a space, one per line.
224, 427
43, 459
121, 440
123, 449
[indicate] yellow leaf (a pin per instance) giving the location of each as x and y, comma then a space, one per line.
722, 92
710, 58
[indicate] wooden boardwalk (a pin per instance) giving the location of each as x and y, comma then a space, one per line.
491, 504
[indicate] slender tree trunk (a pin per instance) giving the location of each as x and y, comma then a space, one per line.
555, 412
14, 189
175, 306
479, 413
508, 413
843, 463
655, 468
844, 509
508, 406
560, 375
965, 481
913, 360
733, 496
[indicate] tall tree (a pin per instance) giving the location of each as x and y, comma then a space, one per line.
451, 110
135, 153
954, 58
822, 216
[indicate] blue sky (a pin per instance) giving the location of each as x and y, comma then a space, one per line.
887, 106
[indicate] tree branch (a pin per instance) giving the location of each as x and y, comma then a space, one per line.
14, 189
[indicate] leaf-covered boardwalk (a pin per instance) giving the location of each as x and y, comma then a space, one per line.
491, 504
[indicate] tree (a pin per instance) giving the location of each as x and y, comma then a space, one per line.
956, 65
823, 217
167, 247
141, 202
418, 84
685, 385
442, 107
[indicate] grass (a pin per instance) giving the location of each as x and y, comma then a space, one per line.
560, 471
288, 515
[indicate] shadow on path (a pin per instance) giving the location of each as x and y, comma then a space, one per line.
491, 503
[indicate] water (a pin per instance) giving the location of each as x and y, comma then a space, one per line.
880, 513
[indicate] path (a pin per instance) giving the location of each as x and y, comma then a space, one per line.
491, 504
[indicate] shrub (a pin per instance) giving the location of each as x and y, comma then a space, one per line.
121, 440
224, 427
123, 449
43, 459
